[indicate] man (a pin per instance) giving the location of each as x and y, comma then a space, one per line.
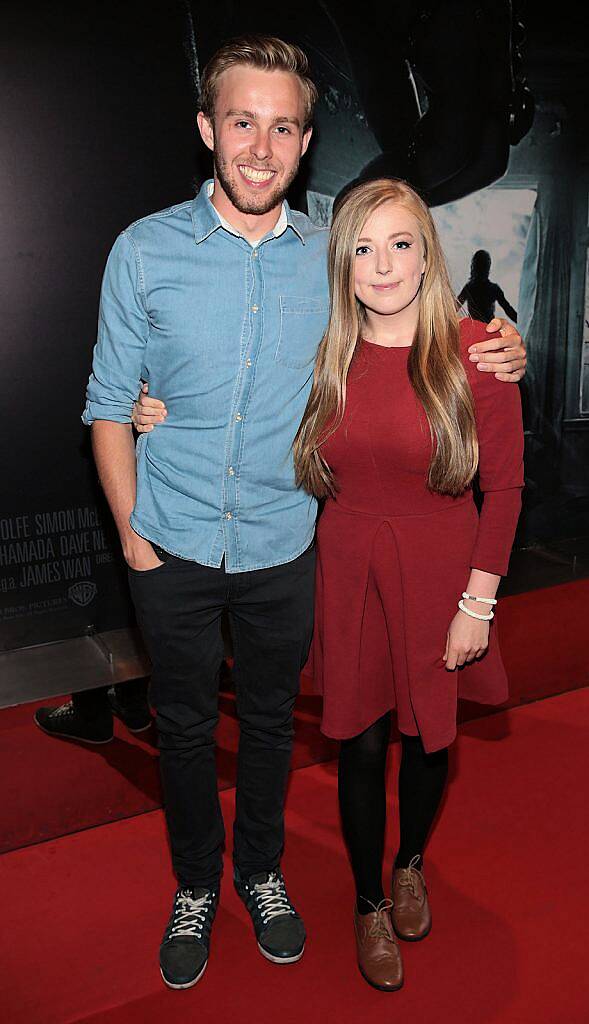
220, 303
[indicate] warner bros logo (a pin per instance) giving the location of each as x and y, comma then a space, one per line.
82, 593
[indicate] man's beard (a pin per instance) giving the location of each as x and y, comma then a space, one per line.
252, 204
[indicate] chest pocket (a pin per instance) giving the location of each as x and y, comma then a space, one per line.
302, 324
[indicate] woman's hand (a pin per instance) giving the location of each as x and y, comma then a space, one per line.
147, 412
467, 639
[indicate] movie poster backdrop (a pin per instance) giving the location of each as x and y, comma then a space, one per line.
98, 108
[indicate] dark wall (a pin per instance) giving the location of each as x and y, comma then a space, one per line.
97, 130
554, 159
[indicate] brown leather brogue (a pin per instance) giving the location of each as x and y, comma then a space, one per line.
379, 957
411, 915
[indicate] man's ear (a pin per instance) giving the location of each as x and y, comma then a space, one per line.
205, 127
306, 140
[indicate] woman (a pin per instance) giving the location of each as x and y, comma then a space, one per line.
397, 424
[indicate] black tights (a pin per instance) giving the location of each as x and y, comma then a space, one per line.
362, 798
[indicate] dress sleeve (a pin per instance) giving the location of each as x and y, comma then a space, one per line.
501, 475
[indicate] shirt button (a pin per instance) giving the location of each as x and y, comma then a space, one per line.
238, 417
255, 309
248, 362
255, 253
228, 515
231, 471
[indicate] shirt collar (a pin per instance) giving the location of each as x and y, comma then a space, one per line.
206, 219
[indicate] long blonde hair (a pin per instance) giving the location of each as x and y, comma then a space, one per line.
435, 367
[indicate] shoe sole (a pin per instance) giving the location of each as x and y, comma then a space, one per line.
188, 984
280, 959
381, 988
69, 736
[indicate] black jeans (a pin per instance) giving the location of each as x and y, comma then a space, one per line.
179, 607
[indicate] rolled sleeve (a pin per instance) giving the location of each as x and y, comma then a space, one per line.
123, 332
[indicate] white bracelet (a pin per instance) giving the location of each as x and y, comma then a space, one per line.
483, 600
475, 615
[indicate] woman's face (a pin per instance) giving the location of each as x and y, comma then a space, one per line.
389, 261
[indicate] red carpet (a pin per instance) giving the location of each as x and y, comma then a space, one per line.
82, 915
54, 787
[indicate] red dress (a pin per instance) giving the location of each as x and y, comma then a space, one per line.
393, 558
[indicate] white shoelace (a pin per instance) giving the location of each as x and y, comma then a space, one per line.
63, 709
190, 915
272, 899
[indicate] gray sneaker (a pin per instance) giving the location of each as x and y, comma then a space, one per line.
279, 929
184, 951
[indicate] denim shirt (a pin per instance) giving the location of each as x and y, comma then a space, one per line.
226, 334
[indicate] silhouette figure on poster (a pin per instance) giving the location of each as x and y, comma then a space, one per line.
481, 294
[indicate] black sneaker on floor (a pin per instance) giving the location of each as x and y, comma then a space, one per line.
184, 951
68, 723
137, 717
279, 929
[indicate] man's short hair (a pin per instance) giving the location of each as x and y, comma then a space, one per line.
257, 51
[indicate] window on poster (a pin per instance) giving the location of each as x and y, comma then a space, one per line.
495, 221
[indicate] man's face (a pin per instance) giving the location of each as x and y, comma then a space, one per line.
257, 137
